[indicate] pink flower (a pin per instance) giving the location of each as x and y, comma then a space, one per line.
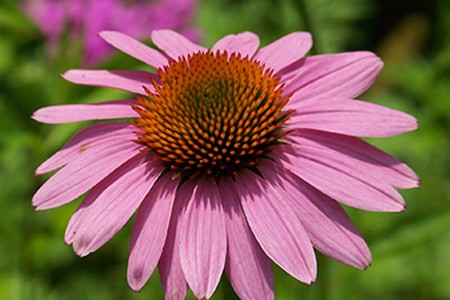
85, 18
237, 156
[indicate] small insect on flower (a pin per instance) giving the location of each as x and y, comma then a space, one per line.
233, 157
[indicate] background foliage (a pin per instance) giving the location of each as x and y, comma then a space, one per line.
411, 257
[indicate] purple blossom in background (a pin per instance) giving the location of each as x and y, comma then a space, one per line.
85, 18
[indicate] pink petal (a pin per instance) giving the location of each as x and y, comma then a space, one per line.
169, 266
351, 117
131, 81
285, 50
93, 135
245, 43
150, 231
134, 48
340, 180
60, 114
326, 223
83, 173
363, 156
289, 72
174, 44
343, 75
110, 204
248, 267
276, 227
203, 239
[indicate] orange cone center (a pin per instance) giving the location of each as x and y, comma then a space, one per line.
212, 114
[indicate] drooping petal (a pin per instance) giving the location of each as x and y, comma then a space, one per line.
363, 156
203, 239
60, 114
339, 180
285, 50
150, 231
131, 81
343, 75
85, 138
174, 44
134, 48
351, 117
170, 272
247, 266
326, 223
277, 229
110, 204
245, 43
83, 173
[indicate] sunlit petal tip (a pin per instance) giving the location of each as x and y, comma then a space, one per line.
107, 33
419, 182
135, 48
74, 75
35, 116
67, 74
174, 44
161, 31
38, 207
136, 281
285, 50
245, 43
38, 202
368, 265
401, 207
80, 247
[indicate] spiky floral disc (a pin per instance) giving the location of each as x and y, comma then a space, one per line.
212, 114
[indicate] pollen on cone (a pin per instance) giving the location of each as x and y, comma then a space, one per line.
208, 118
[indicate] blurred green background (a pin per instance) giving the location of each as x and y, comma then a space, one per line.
411, 250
